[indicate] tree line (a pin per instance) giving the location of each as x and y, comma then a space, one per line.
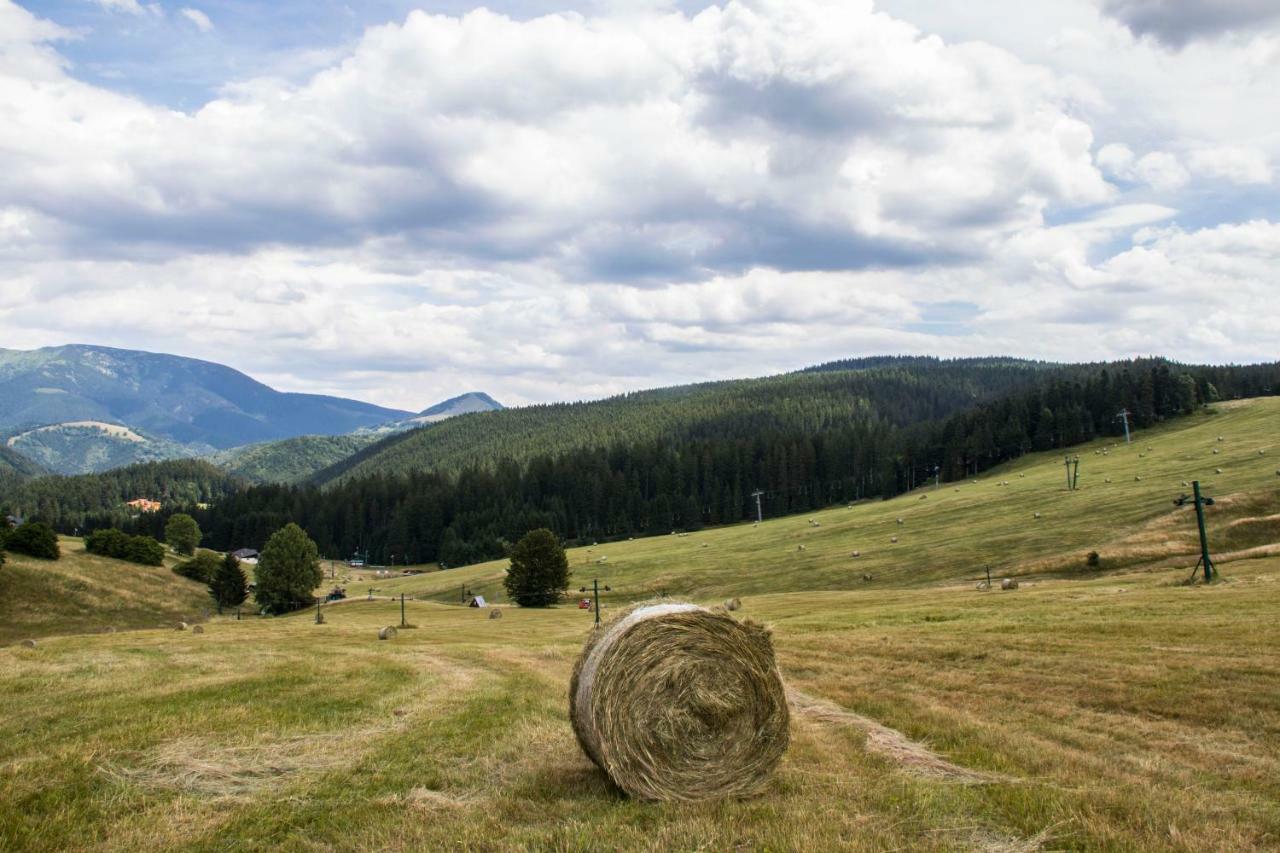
656, 486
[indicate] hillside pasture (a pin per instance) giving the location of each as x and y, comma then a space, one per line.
85, 593
1120, 712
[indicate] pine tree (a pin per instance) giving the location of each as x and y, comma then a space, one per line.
288, 571
228, 585
539, 572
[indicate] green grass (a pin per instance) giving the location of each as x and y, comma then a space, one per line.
1119, 710
952, 533
85, 593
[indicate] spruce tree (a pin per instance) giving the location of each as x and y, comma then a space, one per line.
288, 571
228, 585
539, 572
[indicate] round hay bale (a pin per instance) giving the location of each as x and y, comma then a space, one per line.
1008, 583
197, 629
1035, 515
495, 613
983, 585
900, 521
28, 644
1215, 451
856, 554
1217, 470
676, 702
732, 604
868, 578
387, 633
181, 626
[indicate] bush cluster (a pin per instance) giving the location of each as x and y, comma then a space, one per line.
111, 542
201, 568
33, 539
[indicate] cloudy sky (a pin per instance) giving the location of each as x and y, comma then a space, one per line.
549, 200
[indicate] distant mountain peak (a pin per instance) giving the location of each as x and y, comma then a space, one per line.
472, 401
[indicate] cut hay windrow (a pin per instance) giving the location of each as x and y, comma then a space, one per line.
677, 702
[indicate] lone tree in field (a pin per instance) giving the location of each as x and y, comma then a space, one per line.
288, 571
228, 585
539, 572
182, 533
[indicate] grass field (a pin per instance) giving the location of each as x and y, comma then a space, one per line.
1115, 710
85, 593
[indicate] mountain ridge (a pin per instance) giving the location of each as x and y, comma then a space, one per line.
183, 406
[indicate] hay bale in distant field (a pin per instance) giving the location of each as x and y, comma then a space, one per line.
893, 539
799, 547
1217, 470
28, 644
983, 585
900, 521
857, 554
1008, 583
181, 626
495, 613
868, 578
1215, 451
676, 702
1107, 480
197, 629
1035, 515
387, 633
732, 604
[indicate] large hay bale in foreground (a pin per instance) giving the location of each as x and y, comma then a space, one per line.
676, 702
28, 644
196, 629
1008, 583
387, 633
495, 613
733, 604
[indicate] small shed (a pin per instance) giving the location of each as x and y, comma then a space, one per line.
246, 555
477, 601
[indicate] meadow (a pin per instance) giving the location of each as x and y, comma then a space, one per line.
1108, 708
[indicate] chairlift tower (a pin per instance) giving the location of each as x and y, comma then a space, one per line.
1124, 416
759, 514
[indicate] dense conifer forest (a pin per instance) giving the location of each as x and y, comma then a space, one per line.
802, 458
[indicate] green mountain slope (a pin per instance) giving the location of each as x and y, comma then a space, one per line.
195, 404
901, 391
1123, 509
291, 460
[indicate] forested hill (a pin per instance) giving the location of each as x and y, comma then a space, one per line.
99, 500
896, 391
658, 485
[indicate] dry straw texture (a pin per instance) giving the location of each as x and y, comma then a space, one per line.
676, 702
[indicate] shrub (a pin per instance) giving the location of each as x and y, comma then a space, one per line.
539, 572
288, 571
107, 542
1094, 560
201, 568
144, 550
182, 533
35, 540
110, 542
